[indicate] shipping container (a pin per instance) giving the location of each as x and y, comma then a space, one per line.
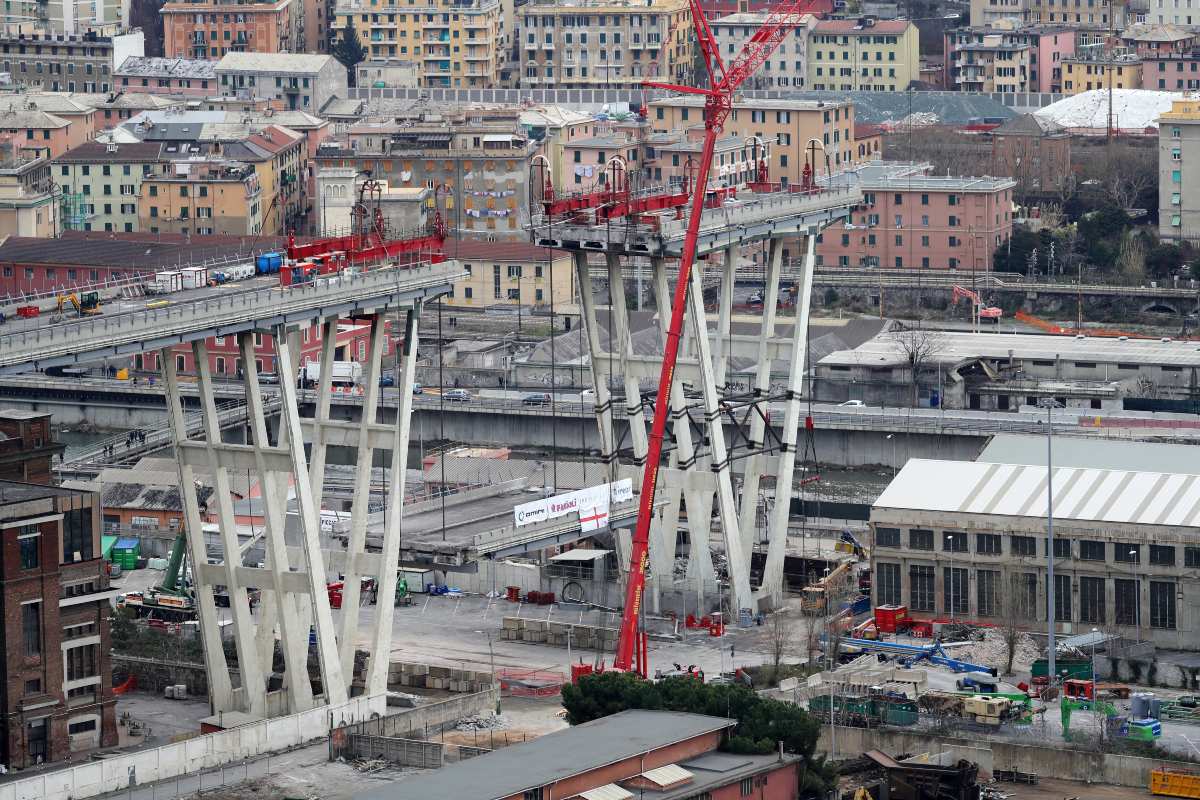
167, 282
194, 277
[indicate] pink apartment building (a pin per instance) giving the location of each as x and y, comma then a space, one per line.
171, 76
912, 219
1175, 72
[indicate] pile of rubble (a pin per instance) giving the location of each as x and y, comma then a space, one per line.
992, 650
483, 722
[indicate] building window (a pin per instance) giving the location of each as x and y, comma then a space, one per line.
955, 586
1126, 597
28, 541
77, 535
1062, 548
1162, 605
1091, 600
33, 686
988, 544
533, 794
1062, 598
746, 787
920, 585
1191, 556
1127, 553
1162, 555
986, 596
31, 627
81, 662
1023, 546
888, 581
887, 537
920, 539
1090, 550
954, 542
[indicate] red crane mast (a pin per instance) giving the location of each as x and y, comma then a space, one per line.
723, 81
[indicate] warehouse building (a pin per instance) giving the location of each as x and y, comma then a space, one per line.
1004, 371
968, 539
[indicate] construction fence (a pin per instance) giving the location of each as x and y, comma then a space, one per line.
417, 753
422, 722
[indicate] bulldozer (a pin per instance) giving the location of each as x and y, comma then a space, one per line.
86, 304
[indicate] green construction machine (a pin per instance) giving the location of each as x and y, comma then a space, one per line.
403, 598
170, 601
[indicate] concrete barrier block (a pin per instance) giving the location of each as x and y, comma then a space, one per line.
511, 623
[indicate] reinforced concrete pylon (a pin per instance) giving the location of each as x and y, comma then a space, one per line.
294, 574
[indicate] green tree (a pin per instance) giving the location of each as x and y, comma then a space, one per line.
762, 724
349, 51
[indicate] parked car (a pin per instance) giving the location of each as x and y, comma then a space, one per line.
387, 380
852, 404
418, 389
536, 399
457, 395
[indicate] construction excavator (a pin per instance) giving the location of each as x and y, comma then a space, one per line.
86, 304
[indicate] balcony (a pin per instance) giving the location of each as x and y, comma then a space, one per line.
548, 46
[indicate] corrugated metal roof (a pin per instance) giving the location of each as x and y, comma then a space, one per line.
669, 775
609, 791
1078, 451
1016, 490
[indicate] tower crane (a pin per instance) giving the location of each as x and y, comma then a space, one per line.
723, 81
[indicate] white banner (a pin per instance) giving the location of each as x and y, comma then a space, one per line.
591, 504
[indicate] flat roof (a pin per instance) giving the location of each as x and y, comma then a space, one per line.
17, 492
272, 62
1019, 490
915, 175
553, 757
1081, 451
886, 350
157, 67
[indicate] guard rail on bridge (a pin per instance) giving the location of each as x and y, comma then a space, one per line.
222, 313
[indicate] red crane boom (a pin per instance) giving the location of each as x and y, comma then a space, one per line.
718, 103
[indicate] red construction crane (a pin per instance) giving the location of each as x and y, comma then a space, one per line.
723, 81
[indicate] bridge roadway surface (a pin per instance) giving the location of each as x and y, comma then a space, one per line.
569, 405
134, 326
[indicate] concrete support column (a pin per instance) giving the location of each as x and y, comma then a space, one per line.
308, 512
381, 642
604, 407
624, 341
220, 687
279, 606
738, 558
755, 464
253, 681
360, 503
724, 318
777, 527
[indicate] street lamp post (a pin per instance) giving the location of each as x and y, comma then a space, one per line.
892, 438
1049, 403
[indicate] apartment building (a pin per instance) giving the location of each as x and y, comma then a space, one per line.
599, 43
1036, 153
994, 64
787, 66
27, 197
1159, 40
59, 62
276, 155
1088, 13
511, 274
389, 73
911, 218
39, 132
985, 13
294, 81
1098, 67
58, 698
787, 126
28, 449
71, 17
1179, 172
187, 77
457, 44
477, 159
978, 51
202, 197
100, 184
1178, 72
212, 28
863, 54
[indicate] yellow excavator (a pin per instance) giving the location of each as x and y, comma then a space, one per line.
85, 304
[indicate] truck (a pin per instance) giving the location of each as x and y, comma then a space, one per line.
345, 373
169, 601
